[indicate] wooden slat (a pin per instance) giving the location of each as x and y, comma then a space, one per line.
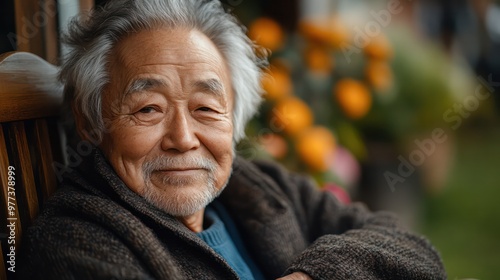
36, 27
58, 140
29, 87
26, 187
44, 159
29, 34
51, 34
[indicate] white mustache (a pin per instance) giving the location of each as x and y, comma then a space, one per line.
178, 163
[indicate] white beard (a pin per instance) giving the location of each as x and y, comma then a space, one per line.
176, 199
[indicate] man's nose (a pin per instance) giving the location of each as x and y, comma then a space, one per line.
180, 134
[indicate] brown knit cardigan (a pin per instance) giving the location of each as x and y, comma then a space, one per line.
94, 227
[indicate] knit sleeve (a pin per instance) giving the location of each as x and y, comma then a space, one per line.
70, 253
350, 242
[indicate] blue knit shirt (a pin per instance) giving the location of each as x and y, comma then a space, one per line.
222, 236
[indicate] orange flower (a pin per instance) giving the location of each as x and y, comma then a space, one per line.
277, 84
267, 33
379, 75
318, 59
314, 146
330, 32
353, 97
291, 115
379, 48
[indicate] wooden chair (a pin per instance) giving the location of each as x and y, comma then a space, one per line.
30, 141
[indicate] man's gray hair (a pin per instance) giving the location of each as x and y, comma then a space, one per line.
91, 39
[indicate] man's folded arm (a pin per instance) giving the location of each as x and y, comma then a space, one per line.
350, 242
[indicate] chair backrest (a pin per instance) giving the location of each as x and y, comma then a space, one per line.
30, 141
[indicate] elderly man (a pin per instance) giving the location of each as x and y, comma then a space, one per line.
164, 88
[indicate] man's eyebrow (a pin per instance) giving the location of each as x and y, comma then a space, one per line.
144, 84
210, 85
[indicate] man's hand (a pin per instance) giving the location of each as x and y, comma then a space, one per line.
296, 276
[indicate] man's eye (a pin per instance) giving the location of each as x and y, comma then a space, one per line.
205, 109
147, 110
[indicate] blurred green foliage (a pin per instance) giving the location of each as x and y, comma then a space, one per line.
463, 222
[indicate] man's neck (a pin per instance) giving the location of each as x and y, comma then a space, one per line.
193, 222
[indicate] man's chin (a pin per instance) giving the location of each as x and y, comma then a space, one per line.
180, 201
185, 180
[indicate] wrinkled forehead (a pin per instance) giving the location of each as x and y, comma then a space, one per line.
140, 56
176, 46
